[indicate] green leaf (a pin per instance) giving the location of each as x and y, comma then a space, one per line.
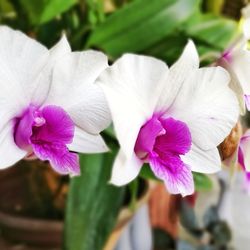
93, 204
202, 182
214, 6
6, 9
163, 240
176, 42
140, 24
133, 187
95, 11
42, 11
110, 131
215, 31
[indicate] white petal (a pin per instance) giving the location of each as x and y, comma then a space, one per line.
132, 86
9, 152
246, 21
203, 161
125, 170
84, 142
178, 73
246, 28
246, 11
10, 104
43, 79
73, 89
21, 60
240, 63
234, 84
60, 49
207, 105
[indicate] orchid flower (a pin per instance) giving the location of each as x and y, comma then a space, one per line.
236, 59
172, 119
50, 107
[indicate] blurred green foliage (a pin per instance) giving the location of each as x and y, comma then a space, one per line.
140, 25
40, 12
159, 28
154, 27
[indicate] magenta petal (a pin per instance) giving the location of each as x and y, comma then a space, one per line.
246, 184
63, 161
176, 175
241, 158
50, 138
58, 126
247, 101
146, 138
46, 132
23, 129
177, 138
160, 142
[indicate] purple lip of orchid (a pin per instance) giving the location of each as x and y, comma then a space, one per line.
161, 142
162, 136
45, 133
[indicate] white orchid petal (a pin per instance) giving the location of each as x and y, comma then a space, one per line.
60, 49
203, 161
246, 23
240, 64
125, 170
178, 73
43, 79
9, 152
246, 28
73, 89
21, 60
207, 105
132, 86
84, 142
234, 84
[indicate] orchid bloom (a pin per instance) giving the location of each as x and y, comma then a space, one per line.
236, 59
172, 119
50, 107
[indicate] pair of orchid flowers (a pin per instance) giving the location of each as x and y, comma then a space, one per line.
56, 102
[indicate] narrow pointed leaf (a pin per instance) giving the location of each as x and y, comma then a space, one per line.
42, 11
93, 204
215, 31
140, 24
